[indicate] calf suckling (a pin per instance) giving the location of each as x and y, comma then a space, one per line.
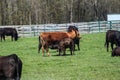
66, 43
46, 39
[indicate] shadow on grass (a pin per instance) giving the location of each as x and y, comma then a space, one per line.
62, 55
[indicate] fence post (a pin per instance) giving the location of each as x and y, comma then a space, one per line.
37, 31
44, 27
23, 31
66, 26
110, 24
99, 25
89, 27
33, 28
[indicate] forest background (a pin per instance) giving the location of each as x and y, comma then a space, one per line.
27, 12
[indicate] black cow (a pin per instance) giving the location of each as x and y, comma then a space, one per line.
77, 42
113, 37
76, 39
10, 67
116, 52
8, 31
66, 43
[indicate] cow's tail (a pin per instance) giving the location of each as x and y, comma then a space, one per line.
39, 45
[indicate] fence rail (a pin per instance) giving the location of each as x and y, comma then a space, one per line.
84, 27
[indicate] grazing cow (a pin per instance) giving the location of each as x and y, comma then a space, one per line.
9, 32
66, 43
10, 67
116, 52
113, 37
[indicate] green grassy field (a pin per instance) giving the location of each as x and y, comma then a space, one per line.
92, 62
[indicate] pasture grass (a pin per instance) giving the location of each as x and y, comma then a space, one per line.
92, 62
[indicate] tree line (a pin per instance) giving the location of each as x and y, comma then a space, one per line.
26, 12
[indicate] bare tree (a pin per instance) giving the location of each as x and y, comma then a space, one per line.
22, 12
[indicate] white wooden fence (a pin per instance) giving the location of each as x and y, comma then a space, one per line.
84, 27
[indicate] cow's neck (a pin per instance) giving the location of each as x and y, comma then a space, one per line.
72, 34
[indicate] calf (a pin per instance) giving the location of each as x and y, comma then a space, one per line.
66, 43
10, 67
116, 52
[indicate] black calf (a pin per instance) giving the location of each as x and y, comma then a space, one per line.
66, 43
116, 52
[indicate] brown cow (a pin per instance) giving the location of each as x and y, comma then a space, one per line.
66, 43
48, 38
10, 67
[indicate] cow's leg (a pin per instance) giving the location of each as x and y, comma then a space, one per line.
71, 49
78, 46
64, 51
74, 46
47, 50
43, 50
12, 37
107, 46
43, 43
3, 37
59, 51
39, 47
112, 46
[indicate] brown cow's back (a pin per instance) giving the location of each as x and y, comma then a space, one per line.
55, 36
